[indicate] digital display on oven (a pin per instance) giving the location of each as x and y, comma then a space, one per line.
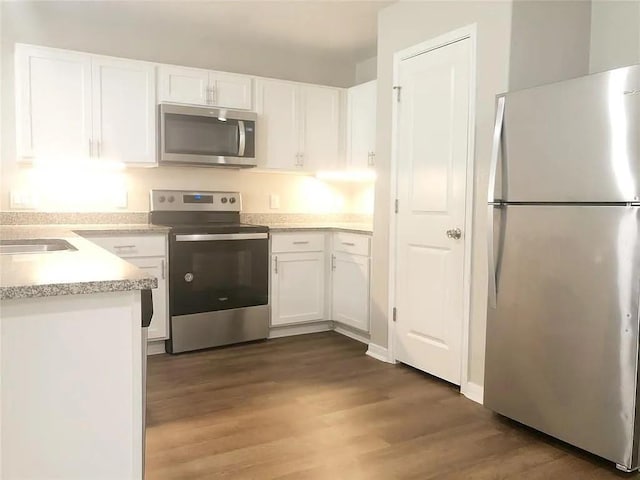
197, 198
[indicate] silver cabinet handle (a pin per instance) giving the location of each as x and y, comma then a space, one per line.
301, 242
90, 148
162, 263
350, 244
213, 95
275, 264
333, 262
98, 148
302, 159
454, 233
495, 153
124, 246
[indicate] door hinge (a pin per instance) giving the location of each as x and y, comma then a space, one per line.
395, 314
398, 89
396, 206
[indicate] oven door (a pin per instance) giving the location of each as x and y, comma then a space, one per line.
213, 272
207, 136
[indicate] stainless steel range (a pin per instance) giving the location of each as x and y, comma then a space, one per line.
218, 270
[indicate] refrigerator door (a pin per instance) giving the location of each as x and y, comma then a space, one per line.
574, 141
562, 342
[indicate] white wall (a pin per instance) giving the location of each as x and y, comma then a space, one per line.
366, 70
106, 28
615, 34
549, 41
402, 25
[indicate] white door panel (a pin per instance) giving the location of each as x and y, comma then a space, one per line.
432, 168
278, 115
231, 91
124, 110
297, 287
321, 127
350, 284
183, 85
53, 104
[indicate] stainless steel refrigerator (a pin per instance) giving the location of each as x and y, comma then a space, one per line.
564, 262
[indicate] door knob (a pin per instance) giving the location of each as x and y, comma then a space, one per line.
454, 233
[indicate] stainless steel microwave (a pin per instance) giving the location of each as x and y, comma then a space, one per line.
191, 135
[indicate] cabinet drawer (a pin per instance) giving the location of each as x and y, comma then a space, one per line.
132, 245
351, 243
297, 242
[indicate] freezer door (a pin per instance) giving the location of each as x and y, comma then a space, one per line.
562, 342
574, 141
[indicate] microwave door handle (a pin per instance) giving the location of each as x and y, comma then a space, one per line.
242, 138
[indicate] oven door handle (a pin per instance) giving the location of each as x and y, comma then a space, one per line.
220, 236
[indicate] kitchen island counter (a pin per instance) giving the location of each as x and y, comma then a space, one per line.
88, 269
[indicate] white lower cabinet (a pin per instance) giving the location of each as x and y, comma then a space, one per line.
350, 290
156, 267
149, 253
350, 279
298, 280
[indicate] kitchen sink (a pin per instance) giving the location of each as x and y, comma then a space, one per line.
8, 247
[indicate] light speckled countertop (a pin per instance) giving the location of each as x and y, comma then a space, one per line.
362, 228
89, 269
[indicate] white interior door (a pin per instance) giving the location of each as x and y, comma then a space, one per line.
432, 150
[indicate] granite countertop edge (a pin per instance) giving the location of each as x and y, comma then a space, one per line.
23, 274
283, 227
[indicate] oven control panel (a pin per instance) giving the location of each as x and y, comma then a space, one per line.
189, 200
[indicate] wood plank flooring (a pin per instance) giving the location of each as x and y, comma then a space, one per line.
316, 407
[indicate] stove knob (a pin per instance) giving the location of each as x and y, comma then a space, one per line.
171, 199
232, 200
223, 199
161, 198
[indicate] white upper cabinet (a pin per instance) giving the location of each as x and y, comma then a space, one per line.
231, 91
204, 87
320, 136
124, 110
73, 106
298, 126
277, 107
53, 103
183, 85
361, 126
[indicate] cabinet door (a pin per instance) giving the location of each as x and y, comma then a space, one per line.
278, 115
156, 267
183, 85
124, 110
350, 285
361, 143
53, 104
231, 91
297, 284
321, 127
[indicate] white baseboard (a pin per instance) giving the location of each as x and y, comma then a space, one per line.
361, 337
155, 348
379, 353
288, 331
473, 391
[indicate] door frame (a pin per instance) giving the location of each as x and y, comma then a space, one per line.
467, 32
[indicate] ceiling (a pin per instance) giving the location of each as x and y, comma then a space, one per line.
338, 29
343, 28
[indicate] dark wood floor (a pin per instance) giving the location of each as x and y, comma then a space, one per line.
316, 407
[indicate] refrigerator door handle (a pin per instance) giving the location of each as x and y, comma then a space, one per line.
495, 154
